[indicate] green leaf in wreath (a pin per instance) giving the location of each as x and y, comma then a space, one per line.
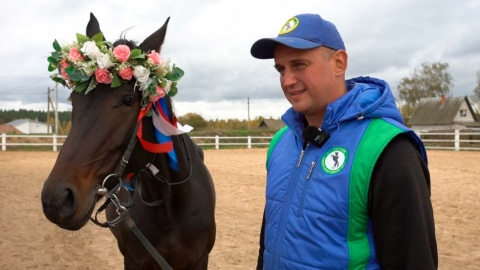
98, 37
108, 43
51, 67
79, 87
52, 60
76, 75
82, 39
56, 55
56, 46
173, 90
93, 83
176, 75
60, 81
115, 81
150, 89
137, 54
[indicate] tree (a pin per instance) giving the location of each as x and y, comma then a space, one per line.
476, 91
406, 110
193, 119
429, 80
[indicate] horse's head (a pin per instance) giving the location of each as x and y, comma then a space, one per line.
103, 121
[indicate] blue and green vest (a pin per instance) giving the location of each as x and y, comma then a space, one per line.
316, 213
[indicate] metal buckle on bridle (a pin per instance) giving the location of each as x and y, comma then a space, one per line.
103, 191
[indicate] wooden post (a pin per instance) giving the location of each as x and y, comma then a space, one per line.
217, 142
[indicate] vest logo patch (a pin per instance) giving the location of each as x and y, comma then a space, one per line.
334, 160
289, 26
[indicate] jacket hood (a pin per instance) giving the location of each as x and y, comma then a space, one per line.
366, 98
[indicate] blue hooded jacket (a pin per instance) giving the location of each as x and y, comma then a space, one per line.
316, 198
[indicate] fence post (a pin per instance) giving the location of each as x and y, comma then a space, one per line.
457, 139
4, 141
249, 142
217, 142
54, 142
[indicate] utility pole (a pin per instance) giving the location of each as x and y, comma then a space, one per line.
48, 111
56, 108
248, 102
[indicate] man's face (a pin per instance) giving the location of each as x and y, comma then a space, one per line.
308, 79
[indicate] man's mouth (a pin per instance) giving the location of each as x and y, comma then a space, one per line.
296, 93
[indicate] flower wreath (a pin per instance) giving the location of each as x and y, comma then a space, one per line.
78, 62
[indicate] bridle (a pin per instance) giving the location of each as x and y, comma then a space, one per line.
122, 208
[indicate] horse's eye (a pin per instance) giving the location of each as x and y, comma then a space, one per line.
128, 101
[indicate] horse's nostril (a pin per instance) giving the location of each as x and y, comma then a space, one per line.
68, 203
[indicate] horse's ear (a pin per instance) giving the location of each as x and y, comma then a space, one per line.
155, 40
93, 27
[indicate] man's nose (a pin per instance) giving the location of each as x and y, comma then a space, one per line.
288, 79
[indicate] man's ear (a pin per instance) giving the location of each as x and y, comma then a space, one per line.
340, 59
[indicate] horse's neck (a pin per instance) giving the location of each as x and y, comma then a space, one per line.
156, 188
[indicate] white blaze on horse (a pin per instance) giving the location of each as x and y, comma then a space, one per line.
123, 124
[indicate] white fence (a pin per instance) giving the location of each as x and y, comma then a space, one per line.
53, 141
455, 141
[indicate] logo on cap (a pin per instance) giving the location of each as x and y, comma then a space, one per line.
289, 26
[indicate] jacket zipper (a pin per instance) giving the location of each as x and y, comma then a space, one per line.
307, 183
286, 208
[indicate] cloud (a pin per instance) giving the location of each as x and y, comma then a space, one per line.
211, 40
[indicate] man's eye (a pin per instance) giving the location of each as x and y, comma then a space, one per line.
299, 65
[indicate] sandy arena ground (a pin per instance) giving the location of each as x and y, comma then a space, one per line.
29, 241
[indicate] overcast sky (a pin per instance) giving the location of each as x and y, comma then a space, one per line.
211, 39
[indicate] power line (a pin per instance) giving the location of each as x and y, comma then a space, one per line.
18, 94
22, 86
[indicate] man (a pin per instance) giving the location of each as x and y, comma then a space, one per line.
356, 194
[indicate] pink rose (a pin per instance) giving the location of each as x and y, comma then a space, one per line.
122, 53
126, 73
63, 65
75, 55
103, 76
160, 93
155, 58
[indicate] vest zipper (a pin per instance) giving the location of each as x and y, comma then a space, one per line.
311, 169
286, 209
307, 183
300, 158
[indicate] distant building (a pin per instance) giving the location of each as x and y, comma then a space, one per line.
28, 126
272, 124
9, 129
442, 113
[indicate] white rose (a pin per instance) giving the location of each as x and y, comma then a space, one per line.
141, 73
168, 86
90, 50
144, 85
103, 61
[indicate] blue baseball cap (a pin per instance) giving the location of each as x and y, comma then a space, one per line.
304, 31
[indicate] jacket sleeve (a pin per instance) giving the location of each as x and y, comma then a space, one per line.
401, 210
261, 244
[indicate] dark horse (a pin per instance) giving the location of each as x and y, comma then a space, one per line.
180, 225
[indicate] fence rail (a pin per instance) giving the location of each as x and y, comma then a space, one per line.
438, 140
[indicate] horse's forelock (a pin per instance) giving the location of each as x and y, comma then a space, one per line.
130, 43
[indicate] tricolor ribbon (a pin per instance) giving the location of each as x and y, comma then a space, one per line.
164, 128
